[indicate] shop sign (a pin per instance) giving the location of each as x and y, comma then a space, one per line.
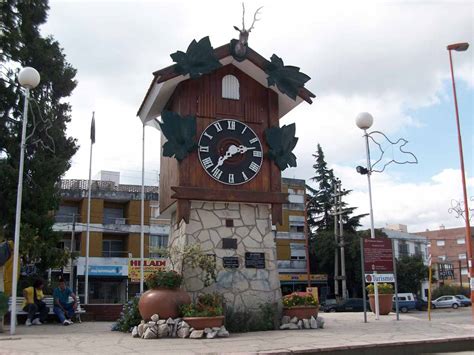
303, 277
370, 278
105, 270
149, 266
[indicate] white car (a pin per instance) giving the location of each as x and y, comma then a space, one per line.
446, 302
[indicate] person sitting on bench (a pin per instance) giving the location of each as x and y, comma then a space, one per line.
62, 307
33, 303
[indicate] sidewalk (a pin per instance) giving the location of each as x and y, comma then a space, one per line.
343, 332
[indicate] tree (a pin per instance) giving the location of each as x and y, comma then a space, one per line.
49, 150
411, 272
321, 223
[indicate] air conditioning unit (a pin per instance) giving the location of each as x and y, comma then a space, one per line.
119, 220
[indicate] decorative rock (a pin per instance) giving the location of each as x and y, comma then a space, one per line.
135, 332
197, 334
300, 324
161, 321
151, 324
155, 318
207, 330
170, 321
163, 331
183, 324
216, 329
320, 322
149, 334
294, 320
183, 332
141, 329
313, 323
285, 320
306, 324
211, 335
222, 332
288, 326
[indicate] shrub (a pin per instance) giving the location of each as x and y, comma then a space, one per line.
297, 300
384, 289
3, 304
240, 321
130, 316
207, 305
166, 279
446, 290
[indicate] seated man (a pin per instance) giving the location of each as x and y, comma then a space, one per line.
33, 303
62, 307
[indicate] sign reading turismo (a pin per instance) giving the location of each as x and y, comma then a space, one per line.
149, 266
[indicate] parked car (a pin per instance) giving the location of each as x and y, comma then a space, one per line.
422, 305
446, 302
406, 302
348, 305
465, 302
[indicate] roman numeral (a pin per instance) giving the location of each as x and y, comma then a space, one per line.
218, 126
253, 140
257, 153
231, 125
205, 149
231, 178
243, 130
254, 167
217, 173
244, 176
208, 135
207, 163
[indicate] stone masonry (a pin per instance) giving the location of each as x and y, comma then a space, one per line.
242, 288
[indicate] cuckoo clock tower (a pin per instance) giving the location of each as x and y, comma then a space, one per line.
222, 154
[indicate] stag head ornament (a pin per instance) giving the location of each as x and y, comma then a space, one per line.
240, 46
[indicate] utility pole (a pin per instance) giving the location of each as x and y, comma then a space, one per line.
460, 272
336, 251
341, 239
71, 271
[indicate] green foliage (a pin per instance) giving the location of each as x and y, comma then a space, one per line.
282, 141
130, 316
240, 321
207, 305
179, 132
288, 79
446, 290
49, 150
199, 59
297, 300
384, 289
3, 304
165, 279
411, 271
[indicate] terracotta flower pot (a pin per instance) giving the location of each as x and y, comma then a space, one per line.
301, 312
385, 303
162, 301
204, 322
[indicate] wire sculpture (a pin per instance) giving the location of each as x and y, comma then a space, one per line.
43, 126
458, 208
410, 158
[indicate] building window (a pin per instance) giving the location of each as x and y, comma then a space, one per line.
464, 271
230, 87
298, 251
442, 257
113, 216
462, 256
296, 229
440, 243
157, 242
461, 241
418, 249
402, 248
113, 248
65, 213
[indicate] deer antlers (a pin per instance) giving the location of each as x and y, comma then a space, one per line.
255, 19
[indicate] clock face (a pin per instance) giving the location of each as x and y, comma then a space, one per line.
230, 152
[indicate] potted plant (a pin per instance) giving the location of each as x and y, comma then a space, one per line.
164, 296
385, 297
206, 312
301, 305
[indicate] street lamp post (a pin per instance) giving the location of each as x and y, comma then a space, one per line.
364, 121
29, 78
461, 47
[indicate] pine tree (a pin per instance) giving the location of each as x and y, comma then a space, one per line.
49, 150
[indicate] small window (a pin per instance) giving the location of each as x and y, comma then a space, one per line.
462, 256
440, 243
461, 241
230, 87
442, 257
464, 271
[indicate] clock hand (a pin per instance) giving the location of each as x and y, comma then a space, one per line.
231, 151
243, 149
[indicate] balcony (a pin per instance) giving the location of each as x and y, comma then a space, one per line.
290, 235
291, 266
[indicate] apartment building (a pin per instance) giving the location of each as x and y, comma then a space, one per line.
291, 242
115, 227
447, 247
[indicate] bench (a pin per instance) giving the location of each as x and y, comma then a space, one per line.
49, 303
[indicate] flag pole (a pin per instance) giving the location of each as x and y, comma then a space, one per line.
86, 288
142, 213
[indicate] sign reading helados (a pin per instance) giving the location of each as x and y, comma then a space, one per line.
149, 266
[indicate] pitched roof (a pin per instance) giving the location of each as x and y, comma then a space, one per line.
166, 80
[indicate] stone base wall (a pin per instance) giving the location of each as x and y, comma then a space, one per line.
243, 288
